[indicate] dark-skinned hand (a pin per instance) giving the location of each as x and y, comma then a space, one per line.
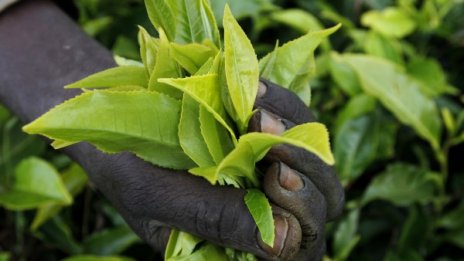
42, 50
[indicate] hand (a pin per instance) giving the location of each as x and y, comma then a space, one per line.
152, 199
304, 191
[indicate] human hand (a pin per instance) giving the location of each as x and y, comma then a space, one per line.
303, 190
152, 200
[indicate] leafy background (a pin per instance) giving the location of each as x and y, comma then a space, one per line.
395, 111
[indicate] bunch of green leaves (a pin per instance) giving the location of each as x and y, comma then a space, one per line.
391, 89
187, 105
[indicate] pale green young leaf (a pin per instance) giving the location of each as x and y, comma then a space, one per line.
191, 56
215, 136
166, 67
145, 123
252, 147
242, 69
448, 120
36, 183
148, 49
195, 22
161, 16
59, 144
204, 89
401, 95
300, 84
190, 134
180, 244
261, 211
122, 61
391, 21
267, 66
293, 56
75, 180
116, 76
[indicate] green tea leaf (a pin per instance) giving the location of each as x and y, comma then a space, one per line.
145, 123
110, 241
346, 238
190, 135
148, 49
381, 46
293, 56
401, 95
431, 76
195, 22
204, 89
361, 141
75, 180
261, 211
297, 18
97, 258
180, 244
161, 16
191, 56
300, 84
242, 70
166, 67
391, 21
343, 75
240, 162
117, 76
36, 183
357, 106
215, 136
403, 185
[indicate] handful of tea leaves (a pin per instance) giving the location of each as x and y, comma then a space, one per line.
187, 106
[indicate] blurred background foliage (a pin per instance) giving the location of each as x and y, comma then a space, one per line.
395, 112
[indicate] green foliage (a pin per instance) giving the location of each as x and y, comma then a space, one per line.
382, 88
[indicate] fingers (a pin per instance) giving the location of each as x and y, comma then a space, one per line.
320, 174
282, 102
298, 195
150, 198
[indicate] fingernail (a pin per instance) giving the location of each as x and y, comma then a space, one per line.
288, 179
270, 124
281, 231
262, 88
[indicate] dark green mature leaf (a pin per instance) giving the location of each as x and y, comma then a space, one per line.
5, 256
357, 106
142, 122
117, 76
399, 94
110, 242
431, 76
392, 21
361, 141
242, 69
165, 67
415, 230
97, 258
195, 22
148, 49
161, 16
36, 183
191, 56
293, 56
190, 135
346, 237
75, 180
58, 233
261, 211
344, 75
403, 185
